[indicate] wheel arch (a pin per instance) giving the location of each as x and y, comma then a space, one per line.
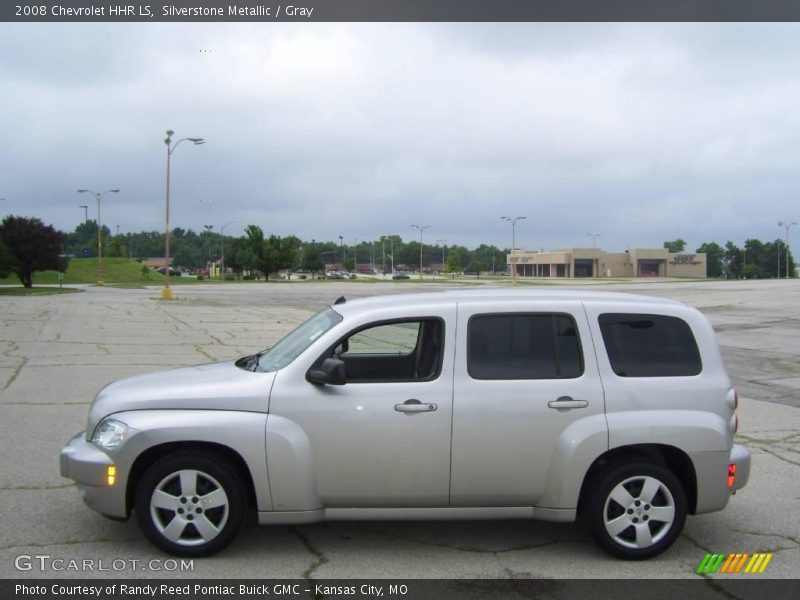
671, 457
152, 454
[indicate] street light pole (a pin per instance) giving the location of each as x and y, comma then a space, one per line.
98, 196
513, 221
443, 243
355, 255
222, 255
786, 225
85, 208
166, 293
421, 229
594, 237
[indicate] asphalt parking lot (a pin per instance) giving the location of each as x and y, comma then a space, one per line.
56, 352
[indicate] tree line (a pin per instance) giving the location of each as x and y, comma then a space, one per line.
754, 260
28, 245
256, 252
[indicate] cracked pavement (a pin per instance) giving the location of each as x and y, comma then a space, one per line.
56, 352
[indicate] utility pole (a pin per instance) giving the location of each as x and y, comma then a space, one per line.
421, 229
786, 226
594, 237
513, 221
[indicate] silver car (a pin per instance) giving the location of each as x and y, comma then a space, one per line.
452, 405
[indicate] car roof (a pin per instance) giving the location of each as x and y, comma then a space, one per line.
447, 297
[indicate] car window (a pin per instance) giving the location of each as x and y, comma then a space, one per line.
291, 346
644, 345
408, 350
523, 346
394, 338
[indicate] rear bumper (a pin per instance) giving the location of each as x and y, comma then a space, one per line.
740, 456
711, 475
87, 465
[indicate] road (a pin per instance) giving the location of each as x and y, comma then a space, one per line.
56, 352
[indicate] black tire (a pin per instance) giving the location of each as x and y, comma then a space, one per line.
620, 511
209, 519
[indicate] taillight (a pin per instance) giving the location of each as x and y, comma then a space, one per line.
731, 475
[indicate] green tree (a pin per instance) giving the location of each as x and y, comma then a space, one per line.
491, 256
453, 261
733, 259
33, 246
312, 259
254, 258
475, 266
5, 260
675, 246
117, 247
714, 258
236, 254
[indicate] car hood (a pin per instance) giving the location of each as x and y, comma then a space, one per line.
213, 386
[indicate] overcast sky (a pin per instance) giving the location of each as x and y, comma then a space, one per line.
638, 132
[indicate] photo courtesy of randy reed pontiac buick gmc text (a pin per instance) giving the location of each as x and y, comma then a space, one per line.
548, 405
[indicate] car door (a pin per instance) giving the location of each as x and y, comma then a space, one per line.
383, 438
525, 374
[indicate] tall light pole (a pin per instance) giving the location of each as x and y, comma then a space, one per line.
99, 196
222, 255
341, 250
421, 229
786, 225
355, 255
594, 237
166, 293
513, 221
443, 243
85, 212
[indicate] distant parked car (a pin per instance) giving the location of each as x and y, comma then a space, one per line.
400, 275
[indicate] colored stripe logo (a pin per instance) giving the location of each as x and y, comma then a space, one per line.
735, 563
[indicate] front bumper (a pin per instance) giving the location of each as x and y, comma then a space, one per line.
87, 465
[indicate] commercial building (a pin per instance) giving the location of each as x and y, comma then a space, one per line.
593, 262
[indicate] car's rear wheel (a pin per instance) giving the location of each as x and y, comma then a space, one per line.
636, 510
191, 503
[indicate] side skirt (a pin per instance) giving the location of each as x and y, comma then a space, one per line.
561, 515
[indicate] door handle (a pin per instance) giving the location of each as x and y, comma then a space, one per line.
567, 402
415, 406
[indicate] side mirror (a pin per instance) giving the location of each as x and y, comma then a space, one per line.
332, 371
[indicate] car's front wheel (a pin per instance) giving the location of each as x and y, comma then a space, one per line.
191, 503
636, 510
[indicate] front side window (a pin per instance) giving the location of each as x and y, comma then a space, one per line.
396, 339
294, 344
408, 350
643, 345
523, 346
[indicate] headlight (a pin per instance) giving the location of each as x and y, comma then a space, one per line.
110, 434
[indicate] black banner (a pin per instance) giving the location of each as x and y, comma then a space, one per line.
740, 588
400, 10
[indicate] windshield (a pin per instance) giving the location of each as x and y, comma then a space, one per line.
293, 345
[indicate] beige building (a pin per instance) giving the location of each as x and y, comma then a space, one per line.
590, 262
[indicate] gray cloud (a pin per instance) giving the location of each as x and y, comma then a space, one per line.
641, 132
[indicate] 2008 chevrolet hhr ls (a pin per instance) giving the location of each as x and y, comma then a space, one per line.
448, 405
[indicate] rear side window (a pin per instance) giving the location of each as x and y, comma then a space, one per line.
640, 345
523, 346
